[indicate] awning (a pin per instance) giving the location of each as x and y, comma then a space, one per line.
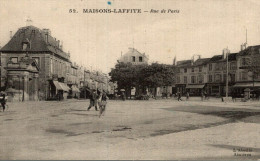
61, 86
192, 86
75, 89
247, 84
57, 85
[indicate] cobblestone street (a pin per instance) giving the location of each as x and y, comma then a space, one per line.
155, 129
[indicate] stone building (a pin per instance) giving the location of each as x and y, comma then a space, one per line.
54, 64
22, 79
210, 74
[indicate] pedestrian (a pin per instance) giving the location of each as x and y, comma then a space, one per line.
93, 100
3, 101
187, 96
102, 103
202, 95
123, 96
179, 96
233, 96
206, 95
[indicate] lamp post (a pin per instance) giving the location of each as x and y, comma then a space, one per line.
227, 51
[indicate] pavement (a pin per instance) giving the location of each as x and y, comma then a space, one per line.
155, 129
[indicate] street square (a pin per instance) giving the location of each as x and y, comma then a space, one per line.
154, 129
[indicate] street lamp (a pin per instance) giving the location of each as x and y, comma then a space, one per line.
226, 52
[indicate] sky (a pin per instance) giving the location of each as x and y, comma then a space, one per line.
96, 40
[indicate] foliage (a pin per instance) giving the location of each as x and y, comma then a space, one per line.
154, 75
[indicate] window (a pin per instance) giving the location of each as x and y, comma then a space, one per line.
133, 59
185, 79
192, 69
178, 79
233, 77
200, 79
210, 78
193, 79
219, 66
217, 78
51, 65
37, 59
200, 69
210, 67
244, 76
140, 59
185, 70
233, 66
25, 45
245, 61
14, 59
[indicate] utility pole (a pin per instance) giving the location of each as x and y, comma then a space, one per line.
85, 88
227, 52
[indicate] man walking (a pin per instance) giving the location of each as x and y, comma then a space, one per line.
93, 100
179, 96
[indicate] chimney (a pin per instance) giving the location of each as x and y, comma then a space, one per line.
58, 43
242, 47
29, 22
46, 38
223, 54
47, 31
61, 45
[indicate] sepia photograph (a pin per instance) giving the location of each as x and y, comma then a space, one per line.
130, 80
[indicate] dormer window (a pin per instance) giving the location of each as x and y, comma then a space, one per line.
14, 59
25, 45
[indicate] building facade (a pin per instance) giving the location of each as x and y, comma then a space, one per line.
57, 76
134, 57
209, 75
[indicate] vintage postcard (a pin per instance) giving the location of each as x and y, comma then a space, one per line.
130, 80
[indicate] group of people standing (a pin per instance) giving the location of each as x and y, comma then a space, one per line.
98, 100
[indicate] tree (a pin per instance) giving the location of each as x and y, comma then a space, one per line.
157, 75
143, 76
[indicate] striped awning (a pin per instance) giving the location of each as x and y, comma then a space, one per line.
75, 89
61, 86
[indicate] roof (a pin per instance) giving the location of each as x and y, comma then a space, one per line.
216, 58
183, 63
250, 50
132, 51
202, 61
35, 37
